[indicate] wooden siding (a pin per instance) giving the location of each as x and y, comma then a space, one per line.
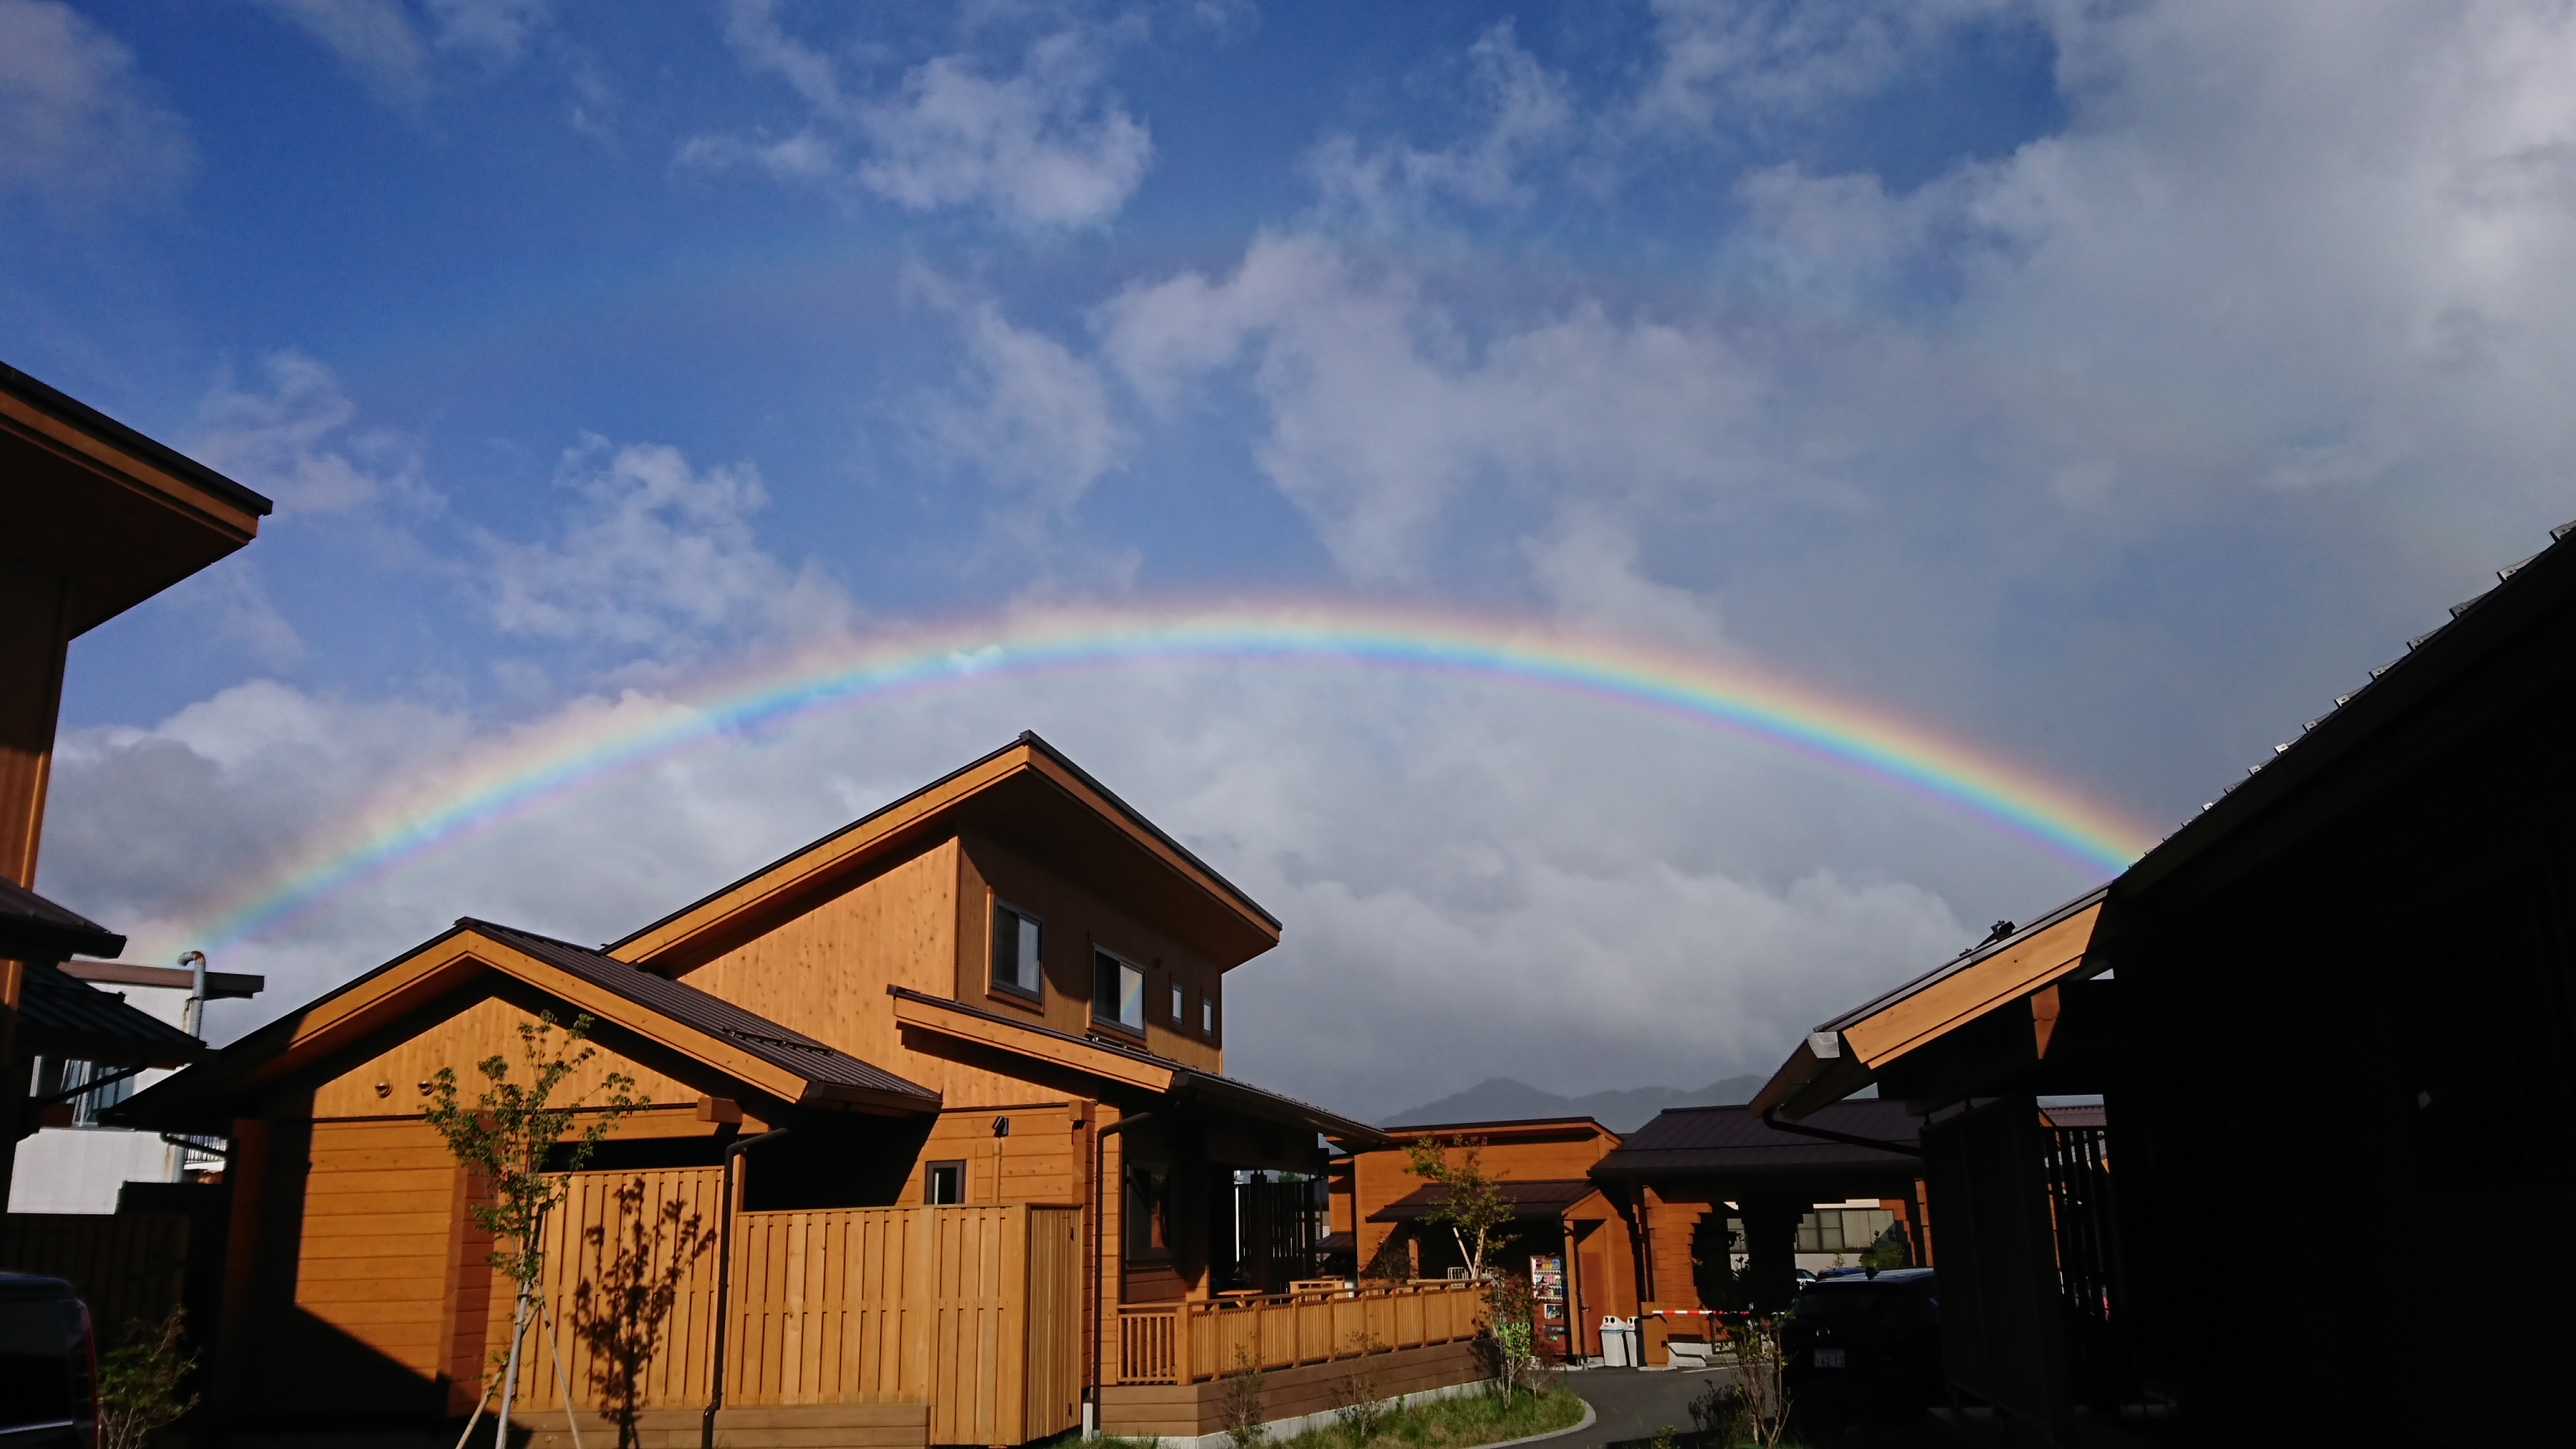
126, 1266
1076, 923
1039, 1161
488, 1028
373, 1257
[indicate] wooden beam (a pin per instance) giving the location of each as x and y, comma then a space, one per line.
2045, 957
1043, 1046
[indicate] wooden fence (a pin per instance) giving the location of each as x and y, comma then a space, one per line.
1180, 1343
974, 1310
128, 1266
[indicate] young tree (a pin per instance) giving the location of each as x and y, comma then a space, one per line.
138, 1382
506, 1138
1472, 1207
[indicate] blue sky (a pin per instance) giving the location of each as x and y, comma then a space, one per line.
2105, 386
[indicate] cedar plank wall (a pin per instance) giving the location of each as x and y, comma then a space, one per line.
373, 1265
1076, 922
1671, 1226
1510, 1154
1039, 1162
825, 972
490, 1027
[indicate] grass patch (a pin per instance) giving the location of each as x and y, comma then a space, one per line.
1457, 1423
1441, 1424
1462, 1422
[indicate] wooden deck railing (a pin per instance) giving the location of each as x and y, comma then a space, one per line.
1181, 1343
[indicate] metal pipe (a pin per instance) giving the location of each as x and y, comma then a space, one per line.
1099, 1333
724, 1279
192, 1017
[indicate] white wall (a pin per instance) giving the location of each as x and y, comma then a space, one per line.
79, 1169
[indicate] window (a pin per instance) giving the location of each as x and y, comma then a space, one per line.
56, 1075
1842, 1230
1207, 1016
1016, 965
944, 1184
1118, 995
1180, 1015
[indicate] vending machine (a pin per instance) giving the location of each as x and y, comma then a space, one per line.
1550, 1308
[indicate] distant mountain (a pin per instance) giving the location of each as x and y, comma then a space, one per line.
1500, 1099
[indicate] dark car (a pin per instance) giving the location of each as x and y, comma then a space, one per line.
1865, 1343
48, 1366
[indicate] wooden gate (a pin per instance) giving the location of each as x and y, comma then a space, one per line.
973, 1310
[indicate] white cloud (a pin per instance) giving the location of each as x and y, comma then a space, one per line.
1527, 111
295, 440
1040, 145
1382, 417
1028, 417
78, 125
393, 46
1728, 62
656, 559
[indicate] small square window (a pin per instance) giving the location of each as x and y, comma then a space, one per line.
1118, 996
1017, 966
945, 1184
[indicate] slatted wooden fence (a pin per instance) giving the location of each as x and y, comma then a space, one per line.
975, 1310
1180, 1343
127, 1266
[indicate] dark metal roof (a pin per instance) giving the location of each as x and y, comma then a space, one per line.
161, 455
1187, 1080
1528, 1200
35, 929
777, 1045
1731, 1141
58, 1016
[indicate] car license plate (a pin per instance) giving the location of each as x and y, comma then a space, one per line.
1829, 1358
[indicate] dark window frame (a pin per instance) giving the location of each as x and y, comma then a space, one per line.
1105, 964
930, 1172
999, 985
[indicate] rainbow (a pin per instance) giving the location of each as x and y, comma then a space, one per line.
600, 741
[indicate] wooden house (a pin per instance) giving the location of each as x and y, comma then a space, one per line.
1729, 1206
2379, 924
1544, 1166
941, 1149
94, 519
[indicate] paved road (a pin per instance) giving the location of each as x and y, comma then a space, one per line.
1635, 1403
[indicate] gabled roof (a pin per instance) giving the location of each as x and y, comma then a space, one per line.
1028, 797
1845, 1054
1505, 1126
1731, 1142
651, 1013
1117, 1062
1528, 1199
33, 928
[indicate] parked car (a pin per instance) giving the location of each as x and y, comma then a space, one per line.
1865, 1342
48, 1366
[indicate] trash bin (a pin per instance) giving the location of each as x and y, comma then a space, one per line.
1619, 1343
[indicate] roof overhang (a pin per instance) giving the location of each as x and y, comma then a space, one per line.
93, 500
1026, 796
33, 928
1117, 1066
467, 963
62, 1017
1850, 1052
